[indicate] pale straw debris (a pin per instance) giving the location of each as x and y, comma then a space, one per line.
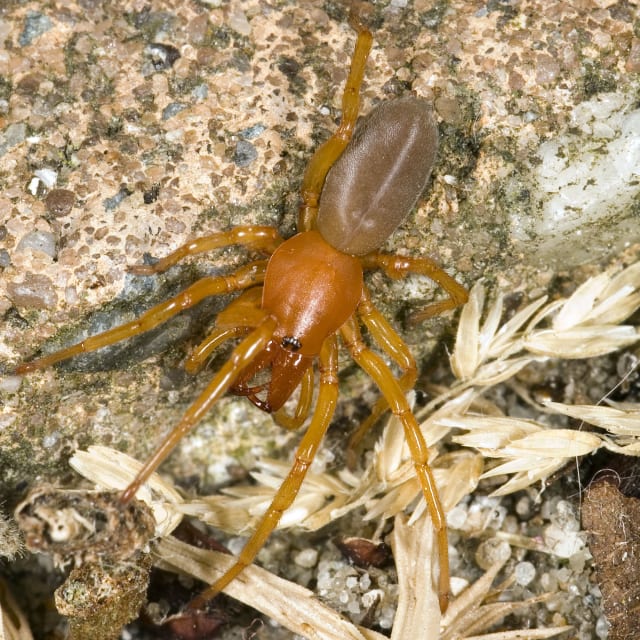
476, 609
418, 608
239, 509
288, 603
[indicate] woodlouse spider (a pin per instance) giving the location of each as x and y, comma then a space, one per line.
294, 305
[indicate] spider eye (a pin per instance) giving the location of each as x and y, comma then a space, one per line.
291, 342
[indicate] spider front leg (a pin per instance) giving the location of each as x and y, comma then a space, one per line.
240, 358
305, 454
323, 159
395, 397
243, 278
201, 353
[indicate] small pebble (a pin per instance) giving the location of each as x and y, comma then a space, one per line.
35, 25
457, 517
49, 177
578, 560
602, 628
13, 135
524, 573
34, 292
43, 241
173, 109
200, 92
113, 202
50, 439
523, 507
59, 202
162, 55
307, 558
562, 542
10, 384
549, 582
492, 551
244, 154
252, 132
238, 22
370, 598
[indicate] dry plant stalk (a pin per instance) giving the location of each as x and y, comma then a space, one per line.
293, 606
418, 611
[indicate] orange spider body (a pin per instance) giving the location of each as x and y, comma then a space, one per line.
304, 264
294, 305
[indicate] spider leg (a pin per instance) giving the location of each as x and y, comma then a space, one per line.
387, 338
199, 355
255, 237
242, 356
373, 364
245, 311
400, 266
325, 407
244, 277
323, 159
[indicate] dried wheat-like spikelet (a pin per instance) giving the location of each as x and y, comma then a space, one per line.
582, 326
386, 487
620, 419
487, 353
532, 450
239, 508
418, 612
